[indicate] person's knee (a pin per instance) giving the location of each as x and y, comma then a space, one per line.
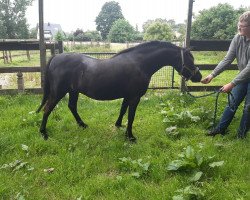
233, 107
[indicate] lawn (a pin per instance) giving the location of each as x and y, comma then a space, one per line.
172, 159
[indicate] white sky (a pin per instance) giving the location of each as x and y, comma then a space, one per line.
81, 14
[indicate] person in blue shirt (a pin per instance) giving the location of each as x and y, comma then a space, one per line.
240, 85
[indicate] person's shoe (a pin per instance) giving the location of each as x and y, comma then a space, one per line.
241, 135
215, 132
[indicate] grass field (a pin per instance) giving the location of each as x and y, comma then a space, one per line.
173, 159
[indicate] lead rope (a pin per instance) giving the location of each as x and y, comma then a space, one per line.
217, 92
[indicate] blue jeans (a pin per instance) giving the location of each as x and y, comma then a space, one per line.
239, 92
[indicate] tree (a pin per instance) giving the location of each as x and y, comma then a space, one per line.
77, 32
159, 31
178, 29
33, 32
181, 30
13, 24
3, 32
110, 12
60, 36
121, 31
218, 22
80, 35
93, 35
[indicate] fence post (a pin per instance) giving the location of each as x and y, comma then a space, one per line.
187, 39
42, 46
53, 50
28, 54
60, 46
6, 56
10, 56
4, 59
20, 82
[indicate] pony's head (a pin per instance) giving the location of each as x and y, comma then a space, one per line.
187, 69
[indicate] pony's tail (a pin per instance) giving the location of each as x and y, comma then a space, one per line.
46, 87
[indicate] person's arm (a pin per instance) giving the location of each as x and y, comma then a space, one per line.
243, 76
229, 58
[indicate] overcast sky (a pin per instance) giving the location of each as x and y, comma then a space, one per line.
73, 14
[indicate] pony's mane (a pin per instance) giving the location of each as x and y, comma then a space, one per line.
155, 44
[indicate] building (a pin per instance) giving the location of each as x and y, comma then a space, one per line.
50, 31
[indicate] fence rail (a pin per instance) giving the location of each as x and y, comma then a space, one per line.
27, 45
209, 45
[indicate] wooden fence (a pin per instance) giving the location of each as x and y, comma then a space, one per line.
10, 45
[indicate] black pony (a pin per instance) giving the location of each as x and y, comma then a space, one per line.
126, 75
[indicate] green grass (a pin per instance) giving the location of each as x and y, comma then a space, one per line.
87, 163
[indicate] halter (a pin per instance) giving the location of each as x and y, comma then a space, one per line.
192, 72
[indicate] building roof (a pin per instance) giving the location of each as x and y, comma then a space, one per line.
52, 28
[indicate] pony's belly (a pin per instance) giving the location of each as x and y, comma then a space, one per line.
110, 90
104, 97
112, 93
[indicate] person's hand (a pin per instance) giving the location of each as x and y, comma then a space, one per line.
207, 79
227, 88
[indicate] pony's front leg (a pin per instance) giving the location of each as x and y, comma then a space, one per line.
133, 103
122, 112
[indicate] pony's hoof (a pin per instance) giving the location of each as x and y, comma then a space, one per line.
83, 125
44, 134
132, 139
119, 125
45, 137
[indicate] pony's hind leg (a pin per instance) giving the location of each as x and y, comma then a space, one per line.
50, 105
73, 98
122, 112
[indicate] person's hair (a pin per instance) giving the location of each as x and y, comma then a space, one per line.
245, 17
